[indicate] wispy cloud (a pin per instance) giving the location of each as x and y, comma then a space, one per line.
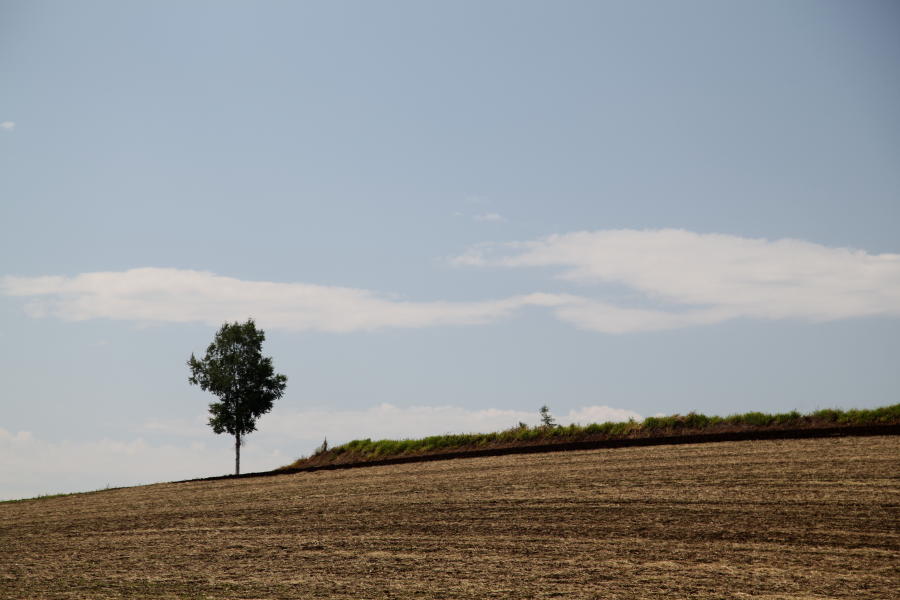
30, 465
181, 296
389, 421
708, 277
490, 217
689, 278
8, 125
305, 429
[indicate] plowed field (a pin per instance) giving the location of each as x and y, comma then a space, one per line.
773, 519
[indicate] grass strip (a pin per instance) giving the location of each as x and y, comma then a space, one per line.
366, 450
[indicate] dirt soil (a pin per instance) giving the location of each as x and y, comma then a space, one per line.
782, 519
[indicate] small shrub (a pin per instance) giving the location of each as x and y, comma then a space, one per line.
828, 415
696, 420
547, 419
790, 418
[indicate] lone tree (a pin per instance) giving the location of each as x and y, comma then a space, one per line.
547, 419
235, 370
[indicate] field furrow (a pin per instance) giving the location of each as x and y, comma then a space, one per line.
784, 519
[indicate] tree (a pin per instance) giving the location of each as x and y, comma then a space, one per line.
245, 381
547, 419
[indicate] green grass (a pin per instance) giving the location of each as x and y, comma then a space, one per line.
366, 449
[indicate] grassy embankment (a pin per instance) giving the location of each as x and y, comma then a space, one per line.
692, 423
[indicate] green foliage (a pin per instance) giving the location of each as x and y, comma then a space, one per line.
828, 414
692, 422
752, 418
235, 370
547, 419
244, 380
787, 418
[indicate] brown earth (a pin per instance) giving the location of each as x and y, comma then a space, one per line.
773, 519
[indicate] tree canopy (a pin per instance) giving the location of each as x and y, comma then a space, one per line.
244, 380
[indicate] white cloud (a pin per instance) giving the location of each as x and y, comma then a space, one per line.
693, 279
710, 277
599, 414
476, 255
393, 422
8, 125
195, 427
180, 296
30, 466
607, 318
307, 428
489, 217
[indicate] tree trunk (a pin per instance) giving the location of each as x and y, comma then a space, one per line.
237, 454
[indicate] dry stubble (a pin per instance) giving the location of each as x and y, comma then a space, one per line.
776, 519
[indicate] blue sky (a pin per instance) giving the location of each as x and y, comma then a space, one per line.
443, 214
